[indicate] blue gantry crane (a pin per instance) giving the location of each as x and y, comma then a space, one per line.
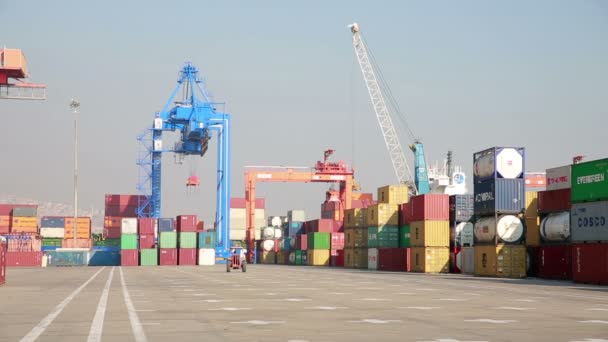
198, 120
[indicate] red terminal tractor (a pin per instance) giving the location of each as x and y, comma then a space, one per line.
236, 260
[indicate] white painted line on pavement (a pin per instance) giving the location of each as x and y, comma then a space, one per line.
46, 321
255, 322
376, 321
451, 299
327, 307
449, 340
594, 321
151, 323
294, 299
419, 307
145, 310
204, 294
138, 332
597, 309
493, 321
593, 340
526, 300
211, 300
100, 314
513, 308
406, 293
229, 309
374, 299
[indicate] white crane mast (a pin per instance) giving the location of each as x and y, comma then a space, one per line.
391, 139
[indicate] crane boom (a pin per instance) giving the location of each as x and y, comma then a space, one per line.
391, 139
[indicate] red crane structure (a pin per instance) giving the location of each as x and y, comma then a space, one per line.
324, 172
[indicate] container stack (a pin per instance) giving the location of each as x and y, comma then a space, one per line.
355, 237
19, 228
499, 195
430, 233
383, 228
268, 245
148, 251
188, 239
24, 220
206, 244
82, 233
238, 219
129, 242
319, 247
295, 227
589, 221
52, 231
553, 257
532, 224
118, 207
462, 254
3, 247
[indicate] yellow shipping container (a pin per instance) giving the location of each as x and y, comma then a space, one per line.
349, 257
360, 258
355, 218
531, 204
281, 257
24, 222
533, 231
430, 259
393, 194
502, 261
318, 257
383, 214
355, 237
430, 233
24, 229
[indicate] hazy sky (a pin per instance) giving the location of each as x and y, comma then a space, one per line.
467, 74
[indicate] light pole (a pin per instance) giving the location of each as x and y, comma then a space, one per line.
74, 104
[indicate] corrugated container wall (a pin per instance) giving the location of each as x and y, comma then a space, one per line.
430, 233
499, 196
461, 207
383, 214
318, 257
430, 207
531, 208
430, 259
559, 178
500, 261
590, 263
555, 262
355, 218
590, 181
589, 221
384, 236
554, 201
393, 194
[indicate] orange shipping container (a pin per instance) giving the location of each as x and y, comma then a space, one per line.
14, 59
112, 222
24, 222
24, 229
82, 222
5, 220
80, 234
78, 243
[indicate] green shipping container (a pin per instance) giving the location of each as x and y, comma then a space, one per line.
187, 240
590, 181
51, 242
299, 257
107, 243
319, 241
207, 239
148, 257
383, 236
168, 240
404, 236
129, 241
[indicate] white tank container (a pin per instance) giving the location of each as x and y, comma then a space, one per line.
372, 259
268, 245
555, 227
275, 221
206, 256
52, 233
268, 233
508, 163
278, 233
508, 228
465, 234
128, 225
292, 258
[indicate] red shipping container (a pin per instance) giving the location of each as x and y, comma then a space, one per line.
200, 226
555, 262
146, 225
112, 233
590, 263
187, 256
337, 241
112, 222
302, 242
336, 258
129, 257
124, 200
338, 226
393, 259
24, 259
146, 241
187, 223
405, 214
553, 201
240, 203
2, 263
430, 207
121, 211
319, 226
532, 262
4, 230
168, 256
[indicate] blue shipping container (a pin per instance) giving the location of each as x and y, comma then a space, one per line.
49, 248
295, 228
490, 155
206, 240
52, 222
104, 258
166, 225
106, 248
287, 244
503, 196
65, 258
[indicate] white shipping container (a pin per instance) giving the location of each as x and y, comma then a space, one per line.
465, 260
128, 225
559, 178
372, 258
52, 233
296, 216
238, 218
206, 256
241, 234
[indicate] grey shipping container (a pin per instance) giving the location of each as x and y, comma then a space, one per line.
166, 225
461, 207
505, 196
589, 221
25, 212
52, 222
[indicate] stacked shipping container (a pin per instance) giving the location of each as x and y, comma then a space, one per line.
430, 233
461, 234
589, 221
19, 228
499, 199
